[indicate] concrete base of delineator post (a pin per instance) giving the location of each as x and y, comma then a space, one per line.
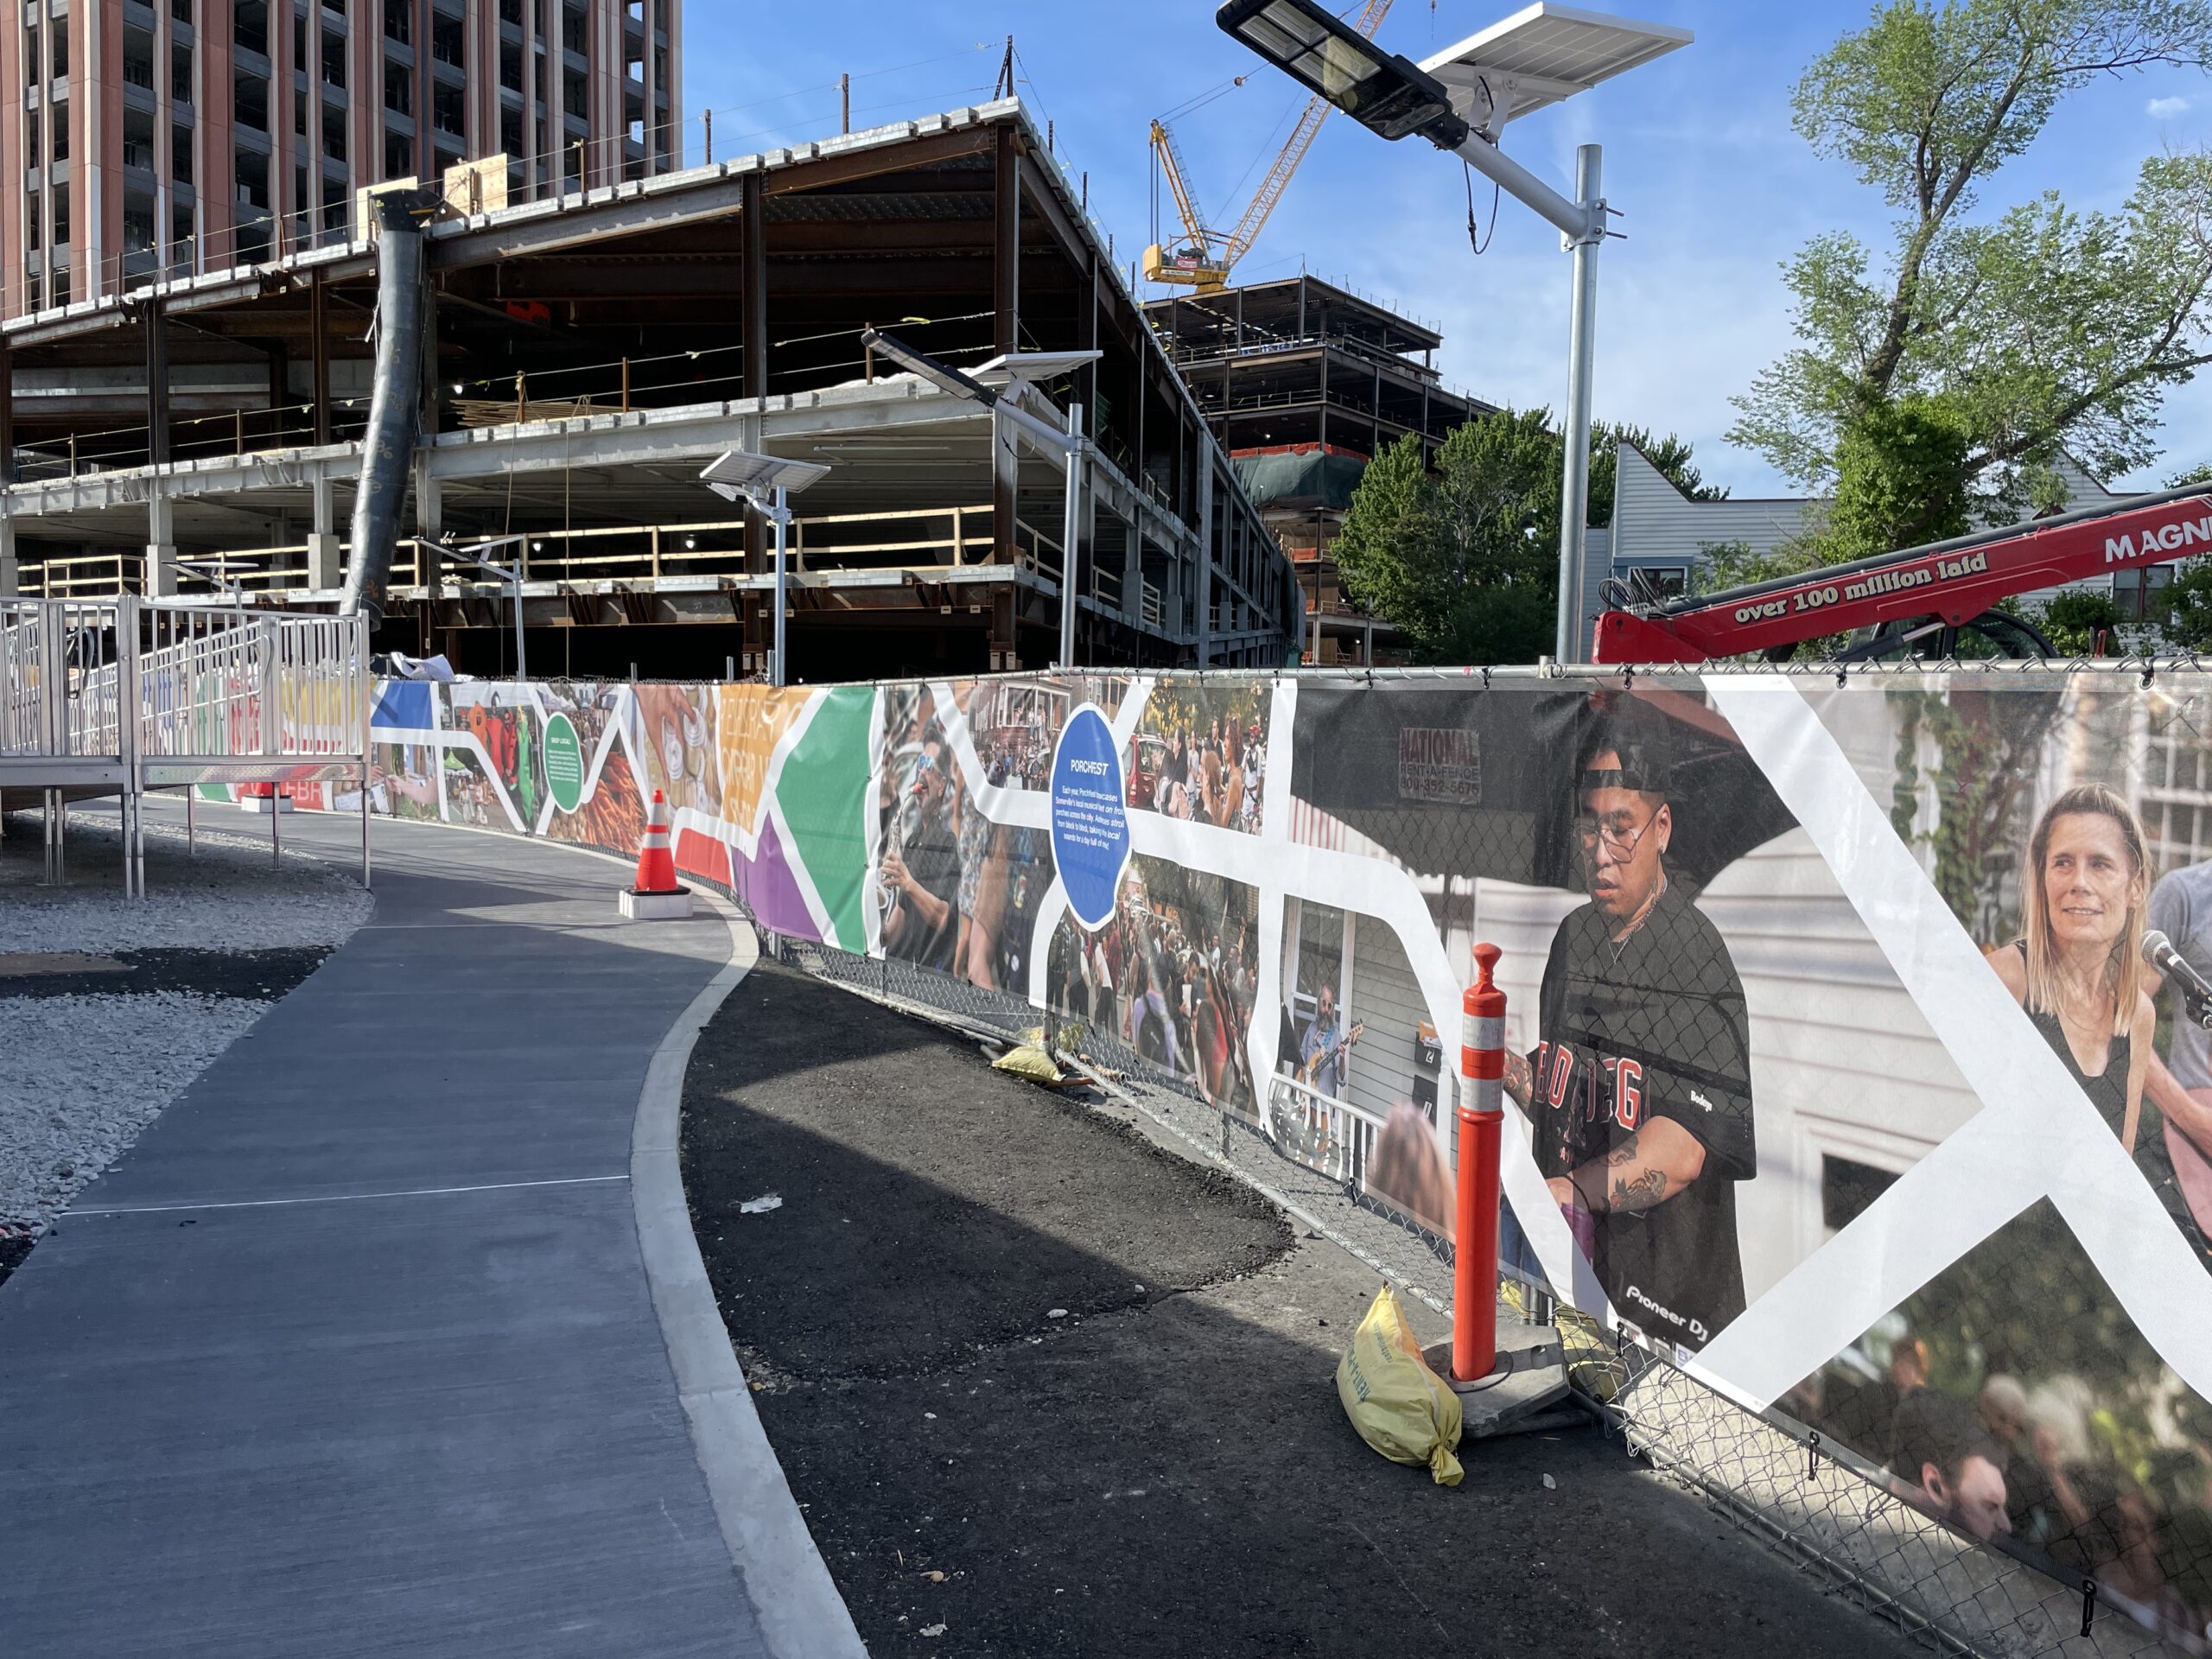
1527, 1392
655, 906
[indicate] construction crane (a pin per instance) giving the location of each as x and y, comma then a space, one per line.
1204, 258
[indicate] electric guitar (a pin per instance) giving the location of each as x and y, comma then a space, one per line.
1328, 1057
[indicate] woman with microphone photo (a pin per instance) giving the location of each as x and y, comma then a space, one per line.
2078, 968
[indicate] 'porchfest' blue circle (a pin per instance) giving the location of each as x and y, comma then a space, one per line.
1090, 816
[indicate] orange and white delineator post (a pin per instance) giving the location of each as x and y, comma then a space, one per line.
1482, 1110
656, 895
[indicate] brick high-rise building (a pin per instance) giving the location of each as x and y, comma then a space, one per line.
185, 136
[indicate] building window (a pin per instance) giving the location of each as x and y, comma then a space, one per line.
138, 225
333, 59
398, 20
510, 131
138, 139
61, 132
249, 100
180, 225
448, 40
511, 66
1846, 1188
32, 127
180, 72
299, 190
34, 210
299, 40
252, 171
573, 28
61, 213
399, 88
60, 286
449, 109
60, 72
2136, 591
333, 132
398, 155
299, 111
181, 154
182, 11
337, 207
250, 28
138, 59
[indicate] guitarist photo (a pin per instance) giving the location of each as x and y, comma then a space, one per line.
2175, 1156
1321, 1048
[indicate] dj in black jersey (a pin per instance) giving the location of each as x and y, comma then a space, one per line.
1638, 1094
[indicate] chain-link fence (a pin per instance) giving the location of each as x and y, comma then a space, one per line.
1815, 1502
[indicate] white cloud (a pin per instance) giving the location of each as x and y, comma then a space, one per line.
2164, 109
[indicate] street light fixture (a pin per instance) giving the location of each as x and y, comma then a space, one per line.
766, 481
1460, 100
992, 386
473, 553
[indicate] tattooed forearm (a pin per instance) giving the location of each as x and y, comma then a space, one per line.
1641, 1191
1626, 1152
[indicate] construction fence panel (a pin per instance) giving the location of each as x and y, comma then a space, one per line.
1869, 1161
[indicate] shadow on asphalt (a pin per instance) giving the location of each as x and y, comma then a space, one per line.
1161, 1471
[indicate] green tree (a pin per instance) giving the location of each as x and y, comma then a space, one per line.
2078, 623
2042, 327
1899, 479
1466, 561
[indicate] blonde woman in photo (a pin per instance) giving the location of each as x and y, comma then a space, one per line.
2078, 970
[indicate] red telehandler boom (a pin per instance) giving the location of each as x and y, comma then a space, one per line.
1899, 599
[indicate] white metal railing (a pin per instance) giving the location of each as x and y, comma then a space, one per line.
1321, 1131
59, 683
240, 683
202, 684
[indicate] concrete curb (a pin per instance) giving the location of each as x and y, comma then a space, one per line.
800, 1614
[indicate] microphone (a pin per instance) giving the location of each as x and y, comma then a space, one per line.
2159, 952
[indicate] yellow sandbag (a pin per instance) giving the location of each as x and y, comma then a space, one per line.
1397, 1403
1028, 1061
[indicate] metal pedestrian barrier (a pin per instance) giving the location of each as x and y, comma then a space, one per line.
125, 696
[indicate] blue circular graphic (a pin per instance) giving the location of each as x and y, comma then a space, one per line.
1090, 817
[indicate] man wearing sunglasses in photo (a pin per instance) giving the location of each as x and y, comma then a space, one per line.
1638, 1094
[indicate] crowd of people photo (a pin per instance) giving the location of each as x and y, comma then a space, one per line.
1172, 976
1200, 754
956, 893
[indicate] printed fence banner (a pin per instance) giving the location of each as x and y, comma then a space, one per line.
1862, 1034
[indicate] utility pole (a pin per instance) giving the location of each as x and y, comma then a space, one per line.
845, 103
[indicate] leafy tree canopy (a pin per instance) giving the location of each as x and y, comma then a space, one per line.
1466, 561
2044, 326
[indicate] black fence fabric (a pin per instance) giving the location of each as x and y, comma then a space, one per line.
1841, 1084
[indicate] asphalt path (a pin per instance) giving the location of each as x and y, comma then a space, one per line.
1163, 1468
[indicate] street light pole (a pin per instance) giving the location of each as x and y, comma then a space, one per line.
1069, 530
522, 668
782, 676
1574, 503
1536, 58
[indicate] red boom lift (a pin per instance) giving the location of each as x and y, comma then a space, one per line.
1920, 598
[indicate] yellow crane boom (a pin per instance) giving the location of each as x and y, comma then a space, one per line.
1206, 255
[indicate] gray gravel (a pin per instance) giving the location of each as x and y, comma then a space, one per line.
82, 1075
227, 898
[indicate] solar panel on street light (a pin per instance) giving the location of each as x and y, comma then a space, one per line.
740, 472
1005, 368
1381, 91
1541, 55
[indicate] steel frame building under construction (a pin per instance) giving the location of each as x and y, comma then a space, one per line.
585, 354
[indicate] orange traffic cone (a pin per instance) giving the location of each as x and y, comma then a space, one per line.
656, 896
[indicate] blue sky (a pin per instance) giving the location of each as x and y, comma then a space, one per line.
1700, 157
